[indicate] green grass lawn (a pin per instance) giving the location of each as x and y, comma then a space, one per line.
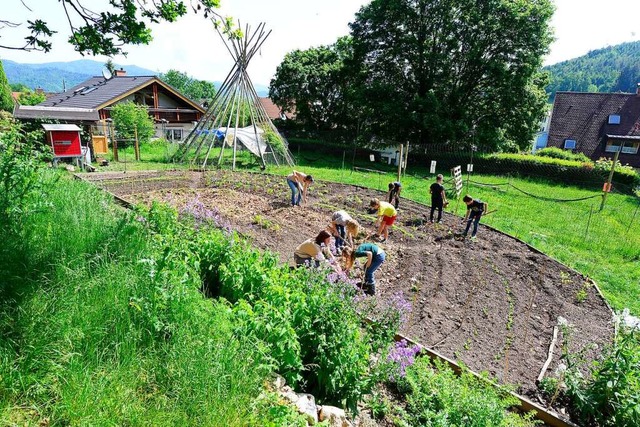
605, 245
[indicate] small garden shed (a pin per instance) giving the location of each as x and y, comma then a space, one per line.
64, 140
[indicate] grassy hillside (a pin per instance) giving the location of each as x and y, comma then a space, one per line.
611, 69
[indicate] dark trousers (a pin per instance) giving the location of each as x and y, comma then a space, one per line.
475, 218
436, 204
394, 198
340, 237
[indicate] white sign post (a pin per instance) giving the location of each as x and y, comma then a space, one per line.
456, 174
432, 169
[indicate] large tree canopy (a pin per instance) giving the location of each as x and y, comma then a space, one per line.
106, 30
312, 84
452, 70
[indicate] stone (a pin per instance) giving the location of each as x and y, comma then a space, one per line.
278, 382
335, 416
306, 404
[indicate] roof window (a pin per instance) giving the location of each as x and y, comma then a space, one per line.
614, 119
569, 144
88, 90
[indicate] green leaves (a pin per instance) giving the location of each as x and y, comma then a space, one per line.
132, 120
105, 32
195, 89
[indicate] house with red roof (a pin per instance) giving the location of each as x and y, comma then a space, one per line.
597, 124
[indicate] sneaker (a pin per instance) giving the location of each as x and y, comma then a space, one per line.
474, 238
383, 240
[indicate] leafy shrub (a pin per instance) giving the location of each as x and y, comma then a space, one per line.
20, 183
275, 141
558, 153
437, 397
560, 170
312, 328
611, 395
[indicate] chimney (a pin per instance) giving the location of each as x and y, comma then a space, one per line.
120, 73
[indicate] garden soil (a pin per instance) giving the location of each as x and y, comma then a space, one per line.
491, 304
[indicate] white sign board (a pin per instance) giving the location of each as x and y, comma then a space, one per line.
432, 169
469, 167
372, 157
456, 174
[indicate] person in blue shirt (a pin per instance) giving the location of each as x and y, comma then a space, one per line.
375, 257
475, 209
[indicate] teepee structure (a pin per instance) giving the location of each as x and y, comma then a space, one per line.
236, 117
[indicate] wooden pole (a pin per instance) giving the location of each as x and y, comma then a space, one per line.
137, 145
586, 232
607, 187
115, 144
406, 160
400, 157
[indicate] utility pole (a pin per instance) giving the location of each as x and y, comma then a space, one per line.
607, 186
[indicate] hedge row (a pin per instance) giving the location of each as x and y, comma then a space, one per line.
575, 172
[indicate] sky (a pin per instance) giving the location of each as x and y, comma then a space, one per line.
192, 45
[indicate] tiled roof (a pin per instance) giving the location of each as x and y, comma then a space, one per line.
584, 118
97, 91
273, 111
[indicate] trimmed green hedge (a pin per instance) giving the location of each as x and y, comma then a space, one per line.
576, 172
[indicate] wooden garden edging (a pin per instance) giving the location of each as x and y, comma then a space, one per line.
525, 404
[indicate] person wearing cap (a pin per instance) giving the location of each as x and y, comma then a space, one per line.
299, 183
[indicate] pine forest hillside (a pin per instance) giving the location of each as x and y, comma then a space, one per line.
611, 69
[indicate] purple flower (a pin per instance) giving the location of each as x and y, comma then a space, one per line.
402, 356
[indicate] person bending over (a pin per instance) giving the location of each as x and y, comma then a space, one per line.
387, 215
375, 257
313, 252
343, 228
395, 188
299, 184
475, 209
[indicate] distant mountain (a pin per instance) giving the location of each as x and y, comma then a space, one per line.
51, 75
611, 69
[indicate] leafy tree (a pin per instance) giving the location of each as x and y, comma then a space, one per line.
129, 118
452, 70
110, 66
6, 100
313, 84
29, 97
106, 31
19, 87
192, 88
